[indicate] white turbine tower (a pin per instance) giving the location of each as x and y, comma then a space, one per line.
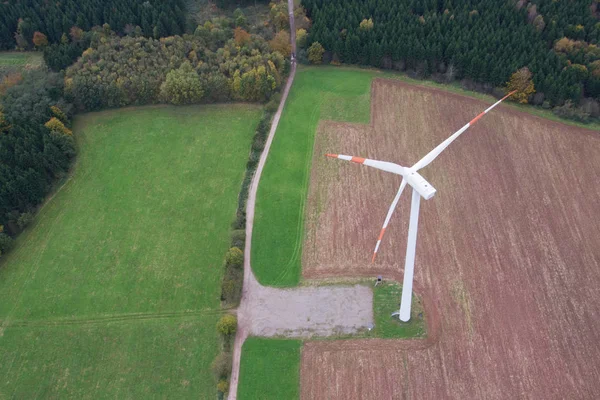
421, 188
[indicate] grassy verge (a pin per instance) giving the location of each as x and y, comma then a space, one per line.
270, 369
386, 300
114, 290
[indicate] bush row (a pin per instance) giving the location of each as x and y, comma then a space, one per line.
232, 284
221, 366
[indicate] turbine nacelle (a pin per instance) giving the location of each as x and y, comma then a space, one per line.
418, 183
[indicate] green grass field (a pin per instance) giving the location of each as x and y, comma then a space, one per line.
13, 58
318, 93
114, 290
270, 369
13, 61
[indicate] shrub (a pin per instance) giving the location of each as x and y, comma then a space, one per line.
301, 37
231, 286
569, 111
221, 366
315, 53
56, 125
6, 243
234, 258
182, 86
24, 220
238, 238
227, 325
57, 112
223, 386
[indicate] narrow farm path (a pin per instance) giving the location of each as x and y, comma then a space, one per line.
296, 312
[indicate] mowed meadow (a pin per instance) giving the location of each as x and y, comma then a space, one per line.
114, 290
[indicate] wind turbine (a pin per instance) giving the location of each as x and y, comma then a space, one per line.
421, 188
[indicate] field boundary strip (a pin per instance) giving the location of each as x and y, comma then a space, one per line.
108, 319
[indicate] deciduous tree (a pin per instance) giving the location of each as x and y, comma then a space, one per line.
315, 53
522, 82
182, 86
281, 43
40, 40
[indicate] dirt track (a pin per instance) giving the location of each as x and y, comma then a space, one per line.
508, 257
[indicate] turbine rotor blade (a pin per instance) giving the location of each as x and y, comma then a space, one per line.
388, 217
382, 165
442, 146
409, 265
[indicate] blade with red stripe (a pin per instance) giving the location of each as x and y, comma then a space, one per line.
442, 146
382, 165
388, 217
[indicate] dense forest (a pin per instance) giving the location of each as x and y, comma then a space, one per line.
36, 147
484, 40
20, 19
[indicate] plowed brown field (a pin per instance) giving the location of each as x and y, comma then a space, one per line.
508, 254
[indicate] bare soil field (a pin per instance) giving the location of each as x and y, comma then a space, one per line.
508, 254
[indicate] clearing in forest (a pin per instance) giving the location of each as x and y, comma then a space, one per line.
113, 292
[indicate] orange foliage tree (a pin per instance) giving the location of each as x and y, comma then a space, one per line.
40, 40
240, 36
281, 43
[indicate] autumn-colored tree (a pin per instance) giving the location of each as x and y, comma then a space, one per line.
315, 53
182, 86
223, 386
56, 125
539, 23
227, 325
279, 15
522, 82
234, 258
9, 80
281, 43
40, 40
76, 33
301, 37
4, 125
241, 37
366, 24
57, 112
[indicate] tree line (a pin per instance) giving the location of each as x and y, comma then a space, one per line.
212, 65
20, 19
484, 40
36, 147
